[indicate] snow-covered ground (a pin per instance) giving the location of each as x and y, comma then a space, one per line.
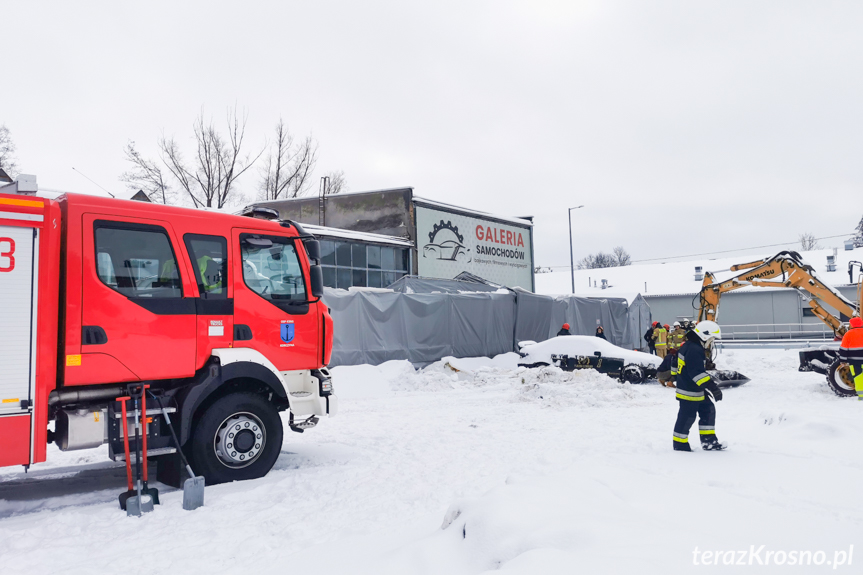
486, 468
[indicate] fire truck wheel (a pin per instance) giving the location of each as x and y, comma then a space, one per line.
238, 437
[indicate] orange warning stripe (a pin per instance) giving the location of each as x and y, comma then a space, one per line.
22, 203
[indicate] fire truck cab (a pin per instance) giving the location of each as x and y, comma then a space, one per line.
219, 314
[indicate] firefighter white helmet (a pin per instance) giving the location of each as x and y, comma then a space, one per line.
707, 331
676, 324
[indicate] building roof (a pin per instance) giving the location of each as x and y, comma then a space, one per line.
673, 278
524, 222
449, 208
366, 237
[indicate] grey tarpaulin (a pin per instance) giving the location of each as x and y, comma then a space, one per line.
533, 317
640, 319
413, 284
460, 319
584, 315
373, 327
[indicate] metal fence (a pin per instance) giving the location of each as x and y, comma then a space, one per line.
776, 331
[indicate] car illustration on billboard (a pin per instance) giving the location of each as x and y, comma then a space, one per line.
446, 243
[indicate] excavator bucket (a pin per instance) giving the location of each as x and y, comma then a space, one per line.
727, 378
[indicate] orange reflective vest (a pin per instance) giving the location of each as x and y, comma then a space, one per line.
851, 350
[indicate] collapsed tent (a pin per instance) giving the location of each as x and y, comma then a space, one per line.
374, 327
413, 284
423, 320
640, 318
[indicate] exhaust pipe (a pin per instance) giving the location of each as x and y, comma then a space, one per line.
69, 396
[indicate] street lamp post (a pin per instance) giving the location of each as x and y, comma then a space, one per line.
571, 260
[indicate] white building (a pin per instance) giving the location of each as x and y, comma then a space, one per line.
671, 289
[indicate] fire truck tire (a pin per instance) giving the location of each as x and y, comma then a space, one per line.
238, 437
839, 379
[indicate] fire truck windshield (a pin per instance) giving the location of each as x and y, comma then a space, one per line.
271, 267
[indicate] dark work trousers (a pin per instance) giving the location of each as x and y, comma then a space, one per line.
652, 347
706, 412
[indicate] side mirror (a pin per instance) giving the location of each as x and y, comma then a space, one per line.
316, 278
313, 249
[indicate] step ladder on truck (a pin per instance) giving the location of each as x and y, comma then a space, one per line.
220, 315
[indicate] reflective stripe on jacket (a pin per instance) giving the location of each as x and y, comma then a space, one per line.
677, 337
851, 349
661, 337
690, 372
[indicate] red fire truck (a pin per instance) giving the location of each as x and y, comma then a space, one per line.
221, 315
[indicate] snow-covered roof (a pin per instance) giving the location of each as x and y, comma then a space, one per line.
356, 236
670, 278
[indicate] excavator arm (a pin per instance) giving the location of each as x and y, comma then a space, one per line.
786, 270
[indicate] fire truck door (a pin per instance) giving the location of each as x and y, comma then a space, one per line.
271, 311
19, 275
138, 322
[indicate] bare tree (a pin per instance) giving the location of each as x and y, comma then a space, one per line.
858, 239
210, 179
8, 161
597, 260
618, 257
337, 182
146, 175
622, 256
542, 270
287, 170
808, 242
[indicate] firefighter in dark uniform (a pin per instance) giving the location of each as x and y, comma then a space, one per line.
851, 352
648, 337
695, 388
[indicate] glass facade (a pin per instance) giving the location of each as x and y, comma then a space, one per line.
347, 264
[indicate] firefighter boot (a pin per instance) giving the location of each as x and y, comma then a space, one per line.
710, 443
681, 443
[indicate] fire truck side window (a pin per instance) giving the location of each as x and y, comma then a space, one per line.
271, 268
210, 253
136, 260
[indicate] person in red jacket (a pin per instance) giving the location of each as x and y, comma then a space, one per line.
851, 352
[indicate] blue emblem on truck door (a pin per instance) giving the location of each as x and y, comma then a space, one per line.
287, 332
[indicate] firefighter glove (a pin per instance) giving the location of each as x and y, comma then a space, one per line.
713, 390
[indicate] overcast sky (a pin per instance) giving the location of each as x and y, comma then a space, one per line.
682, 126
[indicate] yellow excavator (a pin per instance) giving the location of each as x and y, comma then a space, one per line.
788, 270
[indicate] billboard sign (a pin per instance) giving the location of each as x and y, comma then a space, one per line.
450, 243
